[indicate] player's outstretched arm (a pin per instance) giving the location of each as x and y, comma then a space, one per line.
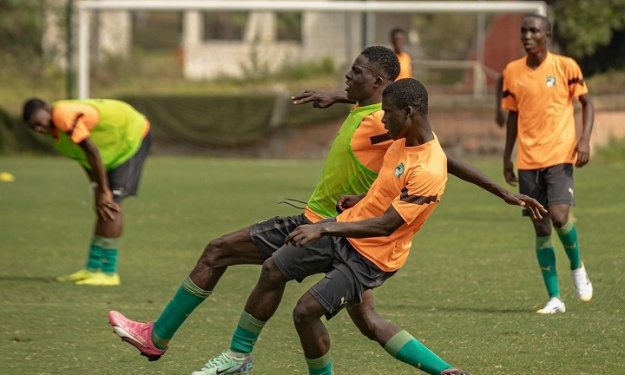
321, 99
104, 204
384, 225
471, 174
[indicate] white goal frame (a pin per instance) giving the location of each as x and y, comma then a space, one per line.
87, 6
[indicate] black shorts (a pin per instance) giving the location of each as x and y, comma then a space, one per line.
549, 186
269, 235
124, 180
348, 273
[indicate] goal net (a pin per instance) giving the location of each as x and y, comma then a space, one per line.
220, 73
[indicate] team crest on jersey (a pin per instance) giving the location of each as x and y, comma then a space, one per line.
551, 81
399, 170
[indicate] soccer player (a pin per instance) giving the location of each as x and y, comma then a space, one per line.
360, 248
111, 140
538, 92
399, 39
352, 165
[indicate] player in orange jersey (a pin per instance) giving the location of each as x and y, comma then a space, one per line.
538, 91
399, 39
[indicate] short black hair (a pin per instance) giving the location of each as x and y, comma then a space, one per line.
31, 106
385, 58
545, 21
408, 92
398, 30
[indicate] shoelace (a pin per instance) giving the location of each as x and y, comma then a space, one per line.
214, 362
289, 200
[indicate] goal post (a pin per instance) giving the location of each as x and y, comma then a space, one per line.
367, 7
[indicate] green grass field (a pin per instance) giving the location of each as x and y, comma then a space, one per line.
469, 289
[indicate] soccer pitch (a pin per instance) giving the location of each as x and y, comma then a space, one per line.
469, 290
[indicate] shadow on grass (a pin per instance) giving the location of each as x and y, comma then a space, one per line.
44, 279
484, 310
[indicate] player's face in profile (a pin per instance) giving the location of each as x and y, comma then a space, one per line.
534, 35
394, 118
360, 80
40, 122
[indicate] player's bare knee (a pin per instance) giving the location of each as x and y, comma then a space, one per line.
215, 251
301, 313
560, 220
271, 274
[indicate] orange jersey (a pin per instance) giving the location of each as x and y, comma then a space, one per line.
405, 66
367, 145
412, 180
75, 119
114, 127
370, 141
543, 97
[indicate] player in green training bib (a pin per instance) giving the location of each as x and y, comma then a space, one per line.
111, 141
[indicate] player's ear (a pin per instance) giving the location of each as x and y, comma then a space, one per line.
379, 81
408, 112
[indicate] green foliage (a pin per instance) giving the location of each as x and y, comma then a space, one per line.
586, 24
468, 291
21, 29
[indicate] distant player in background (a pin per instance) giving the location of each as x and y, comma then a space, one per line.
111, 140
538, 91
399, 38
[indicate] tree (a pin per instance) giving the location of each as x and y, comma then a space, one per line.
591, 31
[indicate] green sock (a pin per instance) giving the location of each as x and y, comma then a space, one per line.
187, 298
568, 236
547, 261
94, 260
320, 366
246, 333
109, 248
409, 350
